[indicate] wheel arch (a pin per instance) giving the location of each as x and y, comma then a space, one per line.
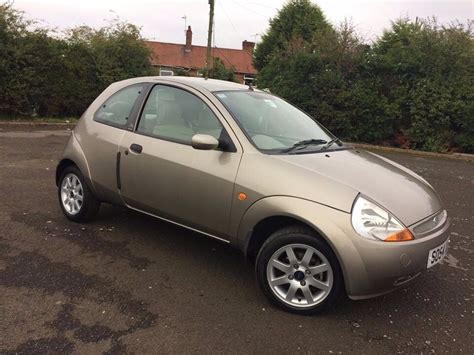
267, 226
63, 164
272, 213
74, 155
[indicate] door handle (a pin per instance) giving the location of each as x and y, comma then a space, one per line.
136, 148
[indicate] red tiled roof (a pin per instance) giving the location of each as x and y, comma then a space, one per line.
174, 55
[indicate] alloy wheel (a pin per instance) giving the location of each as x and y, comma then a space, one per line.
72, 194
300, 275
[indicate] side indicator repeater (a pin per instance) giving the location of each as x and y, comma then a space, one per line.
242, 196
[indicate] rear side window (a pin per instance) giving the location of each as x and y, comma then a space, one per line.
175, 114
117, 109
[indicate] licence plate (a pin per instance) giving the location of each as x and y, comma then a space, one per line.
437, 254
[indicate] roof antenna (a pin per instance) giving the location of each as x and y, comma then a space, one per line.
185, 18
250, 86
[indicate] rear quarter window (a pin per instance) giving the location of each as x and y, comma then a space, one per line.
118, 107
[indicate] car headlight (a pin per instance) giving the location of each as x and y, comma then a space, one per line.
373, 222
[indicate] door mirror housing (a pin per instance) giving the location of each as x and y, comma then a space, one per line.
204, 142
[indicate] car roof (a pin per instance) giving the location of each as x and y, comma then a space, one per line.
196, 82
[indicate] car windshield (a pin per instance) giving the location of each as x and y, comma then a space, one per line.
272, 124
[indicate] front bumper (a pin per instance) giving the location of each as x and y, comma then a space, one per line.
372, 268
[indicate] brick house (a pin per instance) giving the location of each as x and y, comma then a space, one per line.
172, 58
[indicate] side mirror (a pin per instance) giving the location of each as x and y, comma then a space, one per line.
204, 142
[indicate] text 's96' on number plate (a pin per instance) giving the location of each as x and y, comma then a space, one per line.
437, 254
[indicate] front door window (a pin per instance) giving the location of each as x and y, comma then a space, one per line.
176, 115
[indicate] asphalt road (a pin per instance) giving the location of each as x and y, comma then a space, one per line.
128, 283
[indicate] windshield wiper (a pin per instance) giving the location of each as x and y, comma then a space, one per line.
330, 143
304, 144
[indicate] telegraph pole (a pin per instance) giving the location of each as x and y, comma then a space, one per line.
209, 37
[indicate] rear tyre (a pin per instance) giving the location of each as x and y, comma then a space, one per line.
75, 198
298, 272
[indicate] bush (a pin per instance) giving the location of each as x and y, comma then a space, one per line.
412, 87
41, 74
426, 70
219, 71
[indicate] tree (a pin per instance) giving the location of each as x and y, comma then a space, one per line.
118, 51
322, 75
14, 66
48, 75
300, 21
219, 71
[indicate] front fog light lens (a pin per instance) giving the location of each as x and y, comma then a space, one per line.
373, 222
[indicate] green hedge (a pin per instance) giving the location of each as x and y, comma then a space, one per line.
58, 75
412, 87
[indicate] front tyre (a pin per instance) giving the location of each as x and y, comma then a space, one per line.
299, 272
75, 198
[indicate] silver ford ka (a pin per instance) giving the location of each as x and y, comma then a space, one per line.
316, 216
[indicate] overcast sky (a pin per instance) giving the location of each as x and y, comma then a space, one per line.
235, 20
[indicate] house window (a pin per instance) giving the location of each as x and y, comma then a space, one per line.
166, 72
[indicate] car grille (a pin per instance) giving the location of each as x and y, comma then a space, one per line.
430, 224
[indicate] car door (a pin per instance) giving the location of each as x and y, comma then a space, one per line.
109, 124
161, 173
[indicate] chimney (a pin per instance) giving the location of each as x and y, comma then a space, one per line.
248, 46
189, 39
